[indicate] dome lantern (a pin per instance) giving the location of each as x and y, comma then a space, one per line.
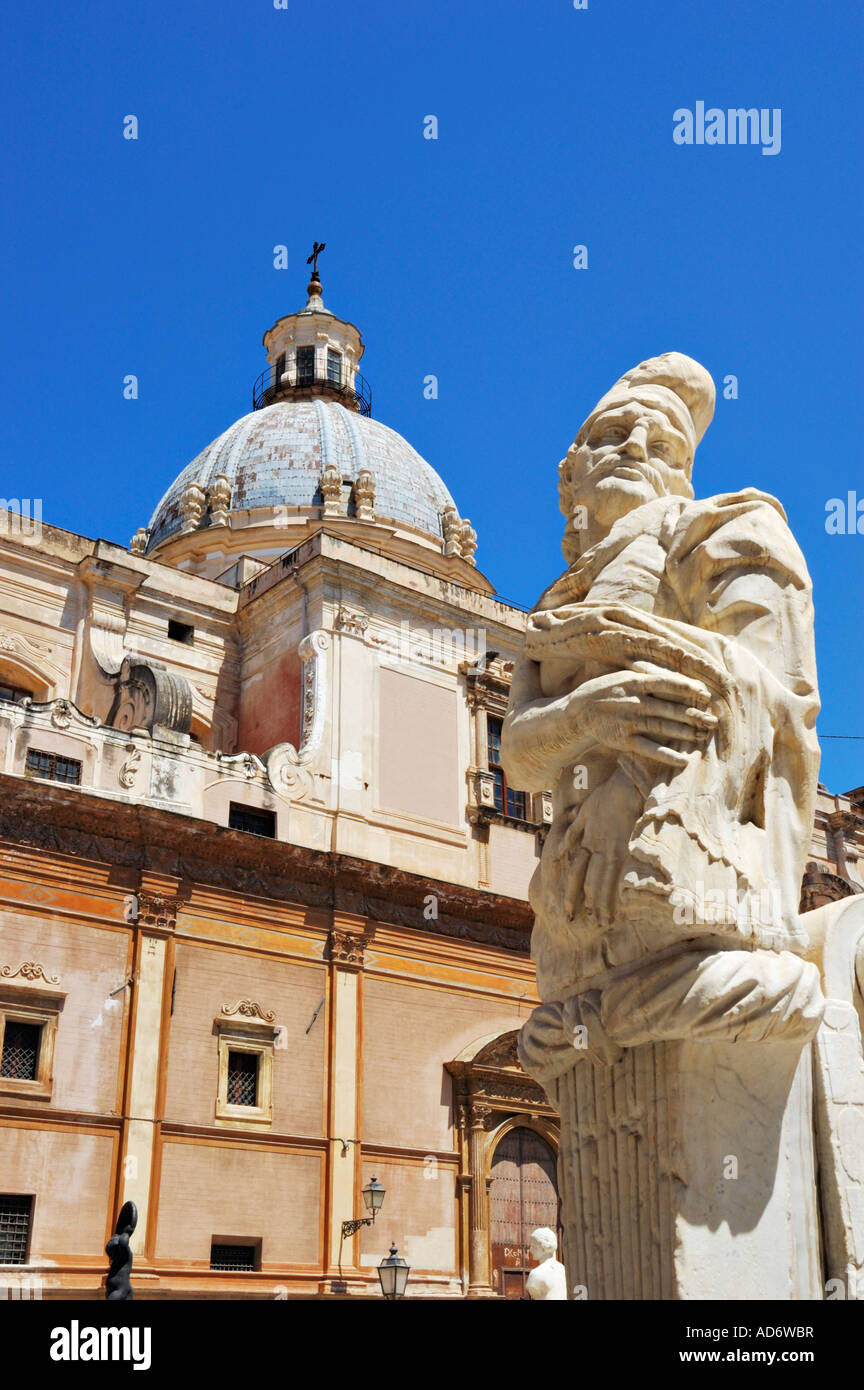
313, 354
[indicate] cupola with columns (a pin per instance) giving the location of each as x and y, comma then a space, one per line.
309, 456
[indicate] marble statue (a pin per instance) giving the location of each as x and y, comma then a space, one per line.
667, 694
547, 1280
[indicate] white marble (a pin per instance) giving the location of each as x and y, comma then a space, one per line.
667, 694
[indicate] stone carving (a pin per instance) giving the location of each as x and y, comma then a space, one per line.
29, 970
548, 1280
128, 771
452, 529
838, 927
192, 504
331, 491
289, 768
138, 543
467, 542
667, 693
148, 696
157, 910
347, 949
351, 620
219, 495
248, 1008
364, 495
118, 1289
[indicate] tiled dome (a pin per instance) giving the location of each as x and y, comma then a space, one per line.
274, 458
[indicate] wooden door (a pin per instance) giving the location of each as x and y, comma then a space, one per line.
524, 1195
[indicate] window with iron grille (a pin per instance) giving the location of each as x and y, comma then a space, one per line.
232, 1257
242, 1078
508, 802
334, 367
20, 1056
14, 694
53, 766
305, 365
15, 1214
252, 820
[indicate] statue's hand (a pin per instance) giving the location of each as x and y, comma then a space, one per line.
643, 712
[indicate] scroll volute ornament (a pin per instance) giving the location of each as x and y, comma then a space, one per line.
148, 696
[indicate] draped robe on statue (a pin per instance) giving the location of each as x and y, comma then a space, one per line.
643, 859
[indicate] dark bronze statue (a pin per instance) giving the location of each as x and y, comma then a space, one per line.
119, 1252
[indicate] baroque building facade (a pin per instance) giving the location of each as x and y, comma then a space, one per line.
264, 928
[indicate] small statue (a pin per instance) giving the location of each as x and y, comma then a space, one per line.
119, 1252
548, 1280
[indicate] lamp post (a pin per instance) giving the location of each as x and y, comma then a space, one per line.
373, 1196
393, 1274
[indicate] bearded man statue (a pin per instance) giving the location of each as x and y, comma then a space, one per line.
667, 694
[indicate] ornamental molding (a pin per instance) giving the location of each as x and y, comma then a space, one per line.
351, 621
157, 911
347, 949
126, 775
29, 970
248, 1008
289, 769
61, 713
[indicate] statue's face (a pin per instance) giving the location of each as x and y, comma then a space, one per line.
627, 455
542, 1247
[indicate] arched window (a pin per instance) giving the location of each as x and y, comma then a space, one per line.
523, 1196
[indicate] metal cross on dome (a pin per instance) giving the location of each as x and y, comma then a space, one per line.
317, 248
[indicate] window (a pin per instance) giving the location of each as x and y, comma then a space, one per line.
508, 802
180, 632
246, 1034
52, 766
242, 1078
15, 1214
252, 820
334, 367
29, 1017
305, 365
14, 694
235, 1257
20, 1055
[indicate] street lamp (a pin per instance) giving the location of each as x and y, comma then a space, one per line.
393, 1274
373, 1196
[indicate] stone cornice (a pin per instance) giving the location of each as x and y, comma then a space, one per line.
146, 839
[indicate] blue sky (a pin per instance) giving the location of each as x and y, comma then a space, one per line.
260, 127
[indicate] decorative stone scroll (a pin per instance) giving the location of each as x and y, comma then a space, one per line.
248, 1008
149, 696
29, 970
289, 768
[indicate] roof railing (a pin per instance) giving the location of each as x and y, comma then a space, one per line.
308, 384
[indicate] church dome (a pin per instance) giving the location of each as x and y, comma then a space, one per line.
274, 457
308, 453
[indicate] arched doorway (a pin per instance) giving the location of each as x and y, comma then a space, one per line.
523, 1196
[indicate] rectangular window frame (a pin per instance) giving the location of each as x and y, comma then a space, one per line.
20, 1004
304, 364
51, 774
253, 1244
253, 811
21, 1196
512, 804
258, 1038
334, 367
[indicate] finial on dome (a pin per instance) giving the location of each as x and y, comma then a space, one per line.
313, 289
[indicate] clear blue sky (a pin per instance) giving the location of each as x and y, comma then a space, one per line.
261, 126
